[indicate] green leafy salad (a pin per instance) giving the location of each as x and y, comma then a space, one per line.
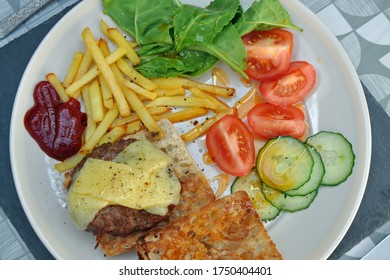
177, 39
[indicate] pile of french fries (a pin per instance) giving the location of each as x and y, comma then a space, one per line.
120, 101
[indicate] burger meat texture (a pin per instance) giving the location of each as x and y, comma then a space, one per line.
115, 219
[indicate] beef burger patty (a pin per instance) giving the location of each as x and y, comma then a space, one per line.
115, 219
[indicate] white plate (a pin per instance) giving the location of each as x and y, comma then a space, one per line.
337, 104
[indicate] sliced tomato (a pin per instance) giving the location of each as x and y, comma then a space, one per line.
268, 53
268, 121
231, 145
292, 87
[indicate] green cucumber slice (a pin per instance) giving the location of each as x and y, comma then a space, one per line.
288, 203
252, 185
316, 176
284, 163
336, 153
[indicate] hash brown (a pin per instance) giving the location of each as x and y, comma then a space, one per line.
228, 228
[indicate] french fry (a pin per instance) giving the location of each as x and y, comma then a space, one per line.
69, 163
100, 130
217, 90
167, 83
170, 91
108, 99
182, 115
103, 46
85, 63
113, 135
143, 113
83, 68
124, 121
120, 40
140, 90
91, 124
72, 71
96, 101
104, 28
135, 117
93, 73
133, 127
135, 76
105, 69
117, 72
56, 83
74, 89
181, 101
202, 128
220, 106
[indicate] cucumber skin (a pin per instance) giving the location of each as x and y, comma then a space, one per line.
318, 170
288, 203
267, 212
334, 180
265, 147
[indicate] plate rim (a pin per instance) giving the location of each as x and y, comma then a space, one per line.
366, 117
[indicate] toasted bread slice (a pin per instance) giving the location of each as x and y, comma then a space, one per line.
228, 228
195, 189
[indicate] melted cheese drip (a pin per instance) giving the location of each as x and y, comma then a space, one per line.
139, 178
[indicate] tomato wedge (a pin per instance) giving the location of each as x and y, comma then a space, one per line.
231, 145
292, 87
268, 53
268, 121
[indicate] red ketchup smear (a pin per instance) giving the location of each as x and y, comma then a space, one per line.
56, 126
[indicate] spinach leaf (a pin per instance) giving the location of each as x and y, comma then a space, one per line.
228, 47
186, 62
177, 39
148, 51
123, 13
153, 20
198, 26
147, 21
262, 15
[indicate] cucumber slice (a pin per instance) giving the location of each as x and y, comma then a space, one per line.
284, 163
252, 185
337, 154
316, 176
288, 203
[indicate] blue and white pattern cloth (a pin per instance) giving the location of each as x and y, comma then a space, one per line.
368, 243
10, 7
363, 28
12, 247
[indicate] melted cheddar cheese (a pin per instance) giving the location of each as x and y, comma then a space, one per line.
139, 177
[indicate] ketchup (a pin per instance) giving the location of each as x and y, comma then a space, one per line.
56, 126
